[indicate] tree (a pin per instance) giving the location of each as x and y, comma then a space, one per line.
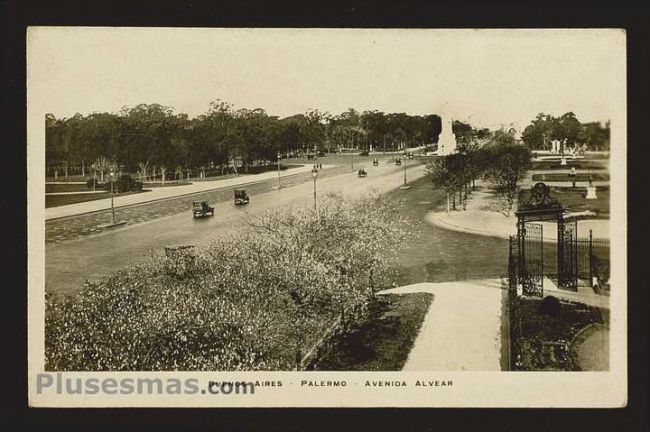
463, 131
501, 137
507, 165
315, 130
537, 135
375, 124
568, 128
143, 169
595, 136
452, 175
345, 130
103, 165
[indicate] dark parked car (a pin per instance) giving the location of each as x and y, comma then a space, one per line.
362, 173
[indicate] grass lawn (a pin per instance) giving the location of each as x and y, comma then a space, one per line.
384, 340
545, 341
581, 177
434, 254
68, 187
70, 178
60, 200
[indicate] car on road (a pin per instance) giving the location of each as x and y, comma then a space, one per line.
375, 162
202, 208
398, 162
362, 173
241, 197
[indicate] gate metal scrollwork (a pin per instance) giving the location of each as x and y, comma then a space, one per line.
568, 255
532, 259
526, 266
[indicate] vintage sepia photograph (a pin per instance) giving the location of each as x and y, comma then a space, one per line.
388, 209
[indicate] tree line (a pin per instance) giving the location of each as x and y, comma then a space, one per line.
155, 138
568, 130
500, 161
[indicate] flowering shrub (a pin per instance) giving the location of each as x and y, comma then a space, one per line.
250, 300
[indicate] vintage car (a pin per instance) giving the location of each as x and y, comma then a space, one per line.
201, 208
375, 162
398, 162
362, 173
241, 197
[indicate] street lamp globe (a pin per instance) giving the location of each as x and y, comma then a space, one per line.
314, 174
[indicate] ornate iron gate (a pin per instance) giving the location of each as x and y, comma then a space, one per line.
568, 255
532, 259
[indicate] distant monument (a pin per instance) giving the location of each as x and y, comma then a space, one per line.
555, 146
591, 189
447, 139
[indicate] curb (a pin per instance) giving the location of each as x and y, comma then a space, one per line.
435, 220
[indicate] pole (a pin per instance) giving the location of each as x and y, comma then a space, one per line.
279, 171
591, 280
112, 205
314, 193
405, 162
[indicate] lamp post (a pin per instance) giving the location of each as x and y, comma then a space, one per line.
279, 185
406, 159
314, 174
111, 176
352, 153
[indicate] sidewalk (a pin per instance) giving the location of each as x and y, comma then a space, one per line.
169, 192
462, 329
483, 218
585, 294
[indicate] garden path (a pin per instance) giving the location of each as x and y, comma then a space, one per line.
462, 329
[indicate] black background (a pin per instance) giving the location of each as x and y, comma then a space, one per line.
15, 16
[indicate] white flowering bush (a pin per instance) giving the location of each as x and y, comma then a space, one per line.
255, 298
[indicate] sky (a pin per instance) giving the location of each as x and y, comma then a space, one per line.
487, 77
